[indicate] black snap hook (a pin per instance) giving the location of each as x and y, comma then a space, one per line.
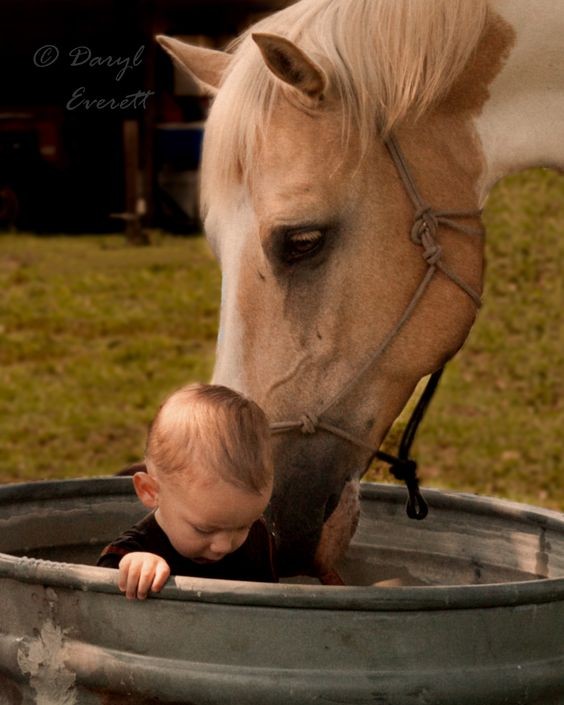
406, 471
416, 507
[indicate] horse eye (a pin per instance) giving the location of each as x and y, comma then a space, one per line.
301, 244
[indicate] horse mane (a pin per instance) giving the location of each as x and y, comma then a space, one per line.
387, 59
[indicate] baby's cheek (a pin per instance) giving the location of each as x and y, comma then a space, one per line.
199, 544
239, 540
189, 546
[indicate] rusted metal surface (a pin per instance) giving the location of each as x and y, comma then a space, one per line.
478, 616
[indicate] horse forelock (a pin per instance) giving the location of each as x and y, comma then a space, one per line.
387, 60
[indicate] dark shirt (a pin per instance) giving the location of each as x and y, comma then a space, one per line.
253, 560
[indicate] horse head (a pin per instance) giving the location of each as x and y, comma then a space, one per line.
313, 228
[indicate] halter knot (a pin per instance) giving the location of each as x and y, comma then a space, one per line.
425, 227
432, 251
425, 220
309, 423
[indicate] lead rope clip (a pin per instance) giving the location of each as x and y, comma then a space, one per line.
406, 471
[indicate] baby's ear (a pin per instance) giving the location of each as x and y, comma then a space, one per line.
147, 489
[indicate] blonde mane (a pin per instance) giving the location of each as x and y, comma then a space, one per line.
387, 59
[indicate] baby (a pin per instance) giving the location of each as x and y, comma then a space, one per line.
208, 481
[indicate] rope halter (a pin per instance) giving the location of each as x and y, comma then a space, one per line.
424, 230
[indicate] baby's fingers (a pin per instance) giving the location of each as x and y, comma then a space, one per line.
122, 579
124, 566
133, 573
145, 579
161, 576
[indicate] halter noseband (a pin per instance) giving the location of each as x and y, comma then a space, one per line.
426, 222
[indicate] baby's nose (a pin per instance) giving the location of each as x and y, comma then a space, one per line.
222, 543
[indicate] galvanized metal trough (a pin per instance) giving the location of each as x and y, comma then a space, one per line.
479, 618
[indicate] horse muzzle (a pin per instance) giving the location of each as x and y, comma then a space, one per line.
314, 508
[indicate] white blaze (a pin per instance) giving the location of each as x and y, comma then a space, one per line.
227, 227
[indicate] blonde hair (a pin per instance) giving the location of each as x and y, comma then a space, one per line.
214, 429
387, 59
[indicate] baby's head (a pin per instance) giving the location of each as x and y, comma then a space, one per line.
209, 470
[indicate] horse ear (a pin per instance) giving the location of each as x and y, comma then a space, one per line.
205, 66
291, 65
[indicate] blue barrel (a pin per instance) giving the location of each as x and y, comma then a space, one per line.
476, 615
179, 145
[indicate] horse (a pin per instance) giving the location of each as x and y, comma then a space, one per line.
348, 152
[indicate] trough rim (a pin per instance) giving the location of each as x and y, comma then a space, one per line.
92, 579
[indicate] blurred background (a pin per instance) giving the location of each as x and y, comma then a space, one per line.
75, 153
110, 295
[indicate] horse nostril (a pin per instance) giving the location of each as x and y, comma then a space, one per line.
332, 502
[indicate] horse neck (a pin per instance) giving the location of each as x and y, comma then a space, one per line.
521, 124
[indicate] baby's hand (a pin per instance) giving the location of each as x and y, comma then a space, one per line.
140, 572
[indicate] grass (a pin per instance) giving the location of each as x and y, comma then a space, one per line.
95, 332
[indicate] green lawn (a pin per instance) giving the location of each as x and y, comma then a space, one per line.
93, 333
